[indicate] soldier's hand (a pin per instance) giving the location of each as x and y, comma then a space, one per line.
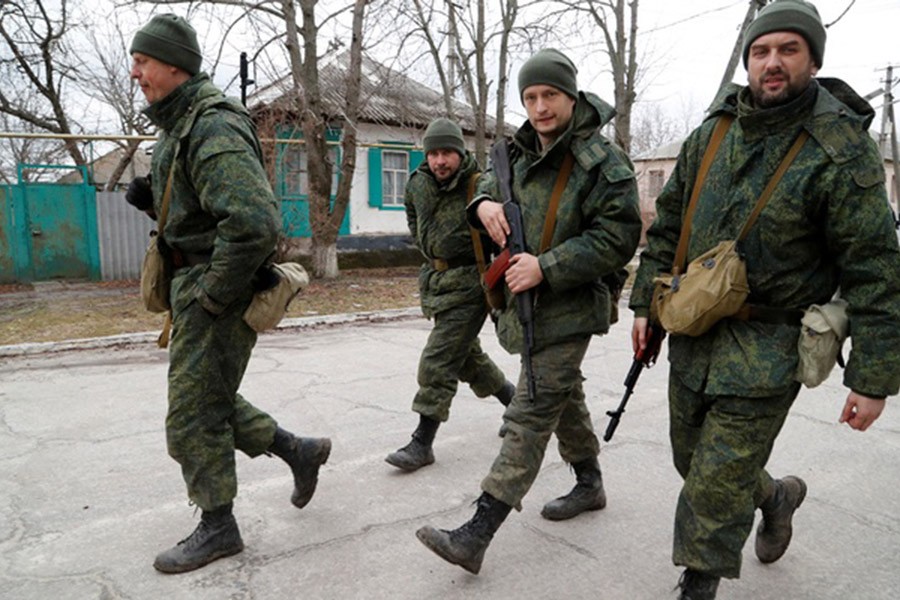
639, 333
524, 273
861, 411
139, 194
491, 216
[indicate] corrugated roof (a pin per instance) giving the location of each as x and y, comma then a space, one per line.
387, 96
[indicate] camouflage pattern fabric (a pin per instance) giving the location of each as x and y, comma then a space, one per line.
731, 388
221, 198
435, 214
453, 354
597, 230
207, 419
720, 445
805, 244
454, 298
221, 204
598, 225
558, 407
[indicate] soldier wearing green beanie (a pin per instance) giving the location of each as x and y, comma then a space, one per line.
798, 16
220, 229
732, 387
450, 290
593, 231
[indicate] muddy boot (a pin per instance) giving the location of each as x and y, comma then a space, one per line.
465, 546
304, 456
587, 494
217, 536
773, 535
417, 453
695, 585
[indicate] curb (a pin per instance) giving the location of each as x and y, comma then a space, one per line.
147, 337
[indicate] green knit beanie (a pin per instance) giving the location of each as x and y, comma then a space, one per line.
549, 67
444, 133
798, 16
170, 39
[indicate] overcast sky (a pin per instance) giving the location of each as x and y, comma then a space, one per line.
690, 43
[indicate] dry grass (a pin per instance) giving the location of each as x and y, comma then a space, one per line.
82, 310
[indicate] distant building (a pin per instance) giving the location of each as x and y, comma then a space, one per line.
395, 110
101, 169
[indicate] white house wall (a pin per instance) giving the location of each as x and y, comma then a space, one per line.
365, 219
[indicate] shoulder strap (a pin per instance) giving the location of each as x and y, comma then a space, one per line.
550, 219
476, 237
779, 173
715, 141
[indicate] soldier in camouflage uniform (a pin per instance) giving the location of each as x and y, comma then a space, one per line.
731, 388
597, 229
222, 226
450, 290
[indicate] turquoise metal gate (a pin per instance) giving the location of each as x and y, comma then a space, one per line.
49, 231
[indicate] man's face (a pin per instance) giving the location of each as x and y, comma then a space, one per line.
443, 162
779, 68
156, 78
549, 111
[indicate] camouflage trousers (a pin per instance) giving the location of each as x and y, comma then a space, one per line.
720, 446
207, 419
558, 407
453, 354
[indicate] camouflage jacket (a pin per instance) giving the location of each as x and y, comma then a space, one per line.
598, 225
436, 215
221, 200
827, 225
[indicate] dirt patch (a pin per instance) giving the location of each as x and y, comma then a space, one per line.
62, 311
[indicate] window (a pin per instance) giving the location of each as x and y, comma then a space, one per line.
390, 164
394, 173
296, 171
656, 181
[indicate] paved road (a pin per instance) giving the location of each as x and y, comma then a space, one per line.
88, 495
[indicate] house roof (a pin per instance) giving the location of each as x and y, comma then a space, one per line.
388, 97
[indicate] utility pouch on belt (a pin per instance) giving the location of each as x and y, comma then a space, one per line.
156, 268
269, 306
714, 286
822, 333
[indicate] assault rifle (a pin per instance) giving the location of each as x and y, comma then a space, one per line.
515, 243
642, 358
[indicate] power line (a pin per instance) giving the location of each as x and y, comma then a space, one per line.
695, 16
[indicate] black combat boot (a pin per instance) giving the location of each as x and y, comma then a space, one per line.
695, 585
465, 546
304, 456
587, 494
217, 536
417, 453
506, 393
773, 535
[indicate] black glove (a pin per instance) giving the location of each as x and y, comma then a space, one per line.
139, 193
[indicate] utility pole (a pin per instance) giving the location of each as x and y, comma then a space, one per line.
245, 80
755, 7
452, 42
888, 114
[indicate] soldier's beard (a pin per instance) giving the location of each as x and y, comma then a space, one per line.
791, 90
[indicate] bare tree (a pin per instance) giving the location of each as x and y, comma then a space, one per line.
619, 33
110, 83
470, 32
300, 35
36, 67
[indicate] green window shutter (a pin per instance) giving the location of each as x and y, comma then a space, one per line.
415, 159
375, 177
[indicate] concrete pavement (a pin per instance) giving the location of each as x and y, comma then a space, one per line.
88, 495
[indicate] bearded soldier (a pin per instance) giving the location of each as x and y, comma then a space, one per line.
827, 225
